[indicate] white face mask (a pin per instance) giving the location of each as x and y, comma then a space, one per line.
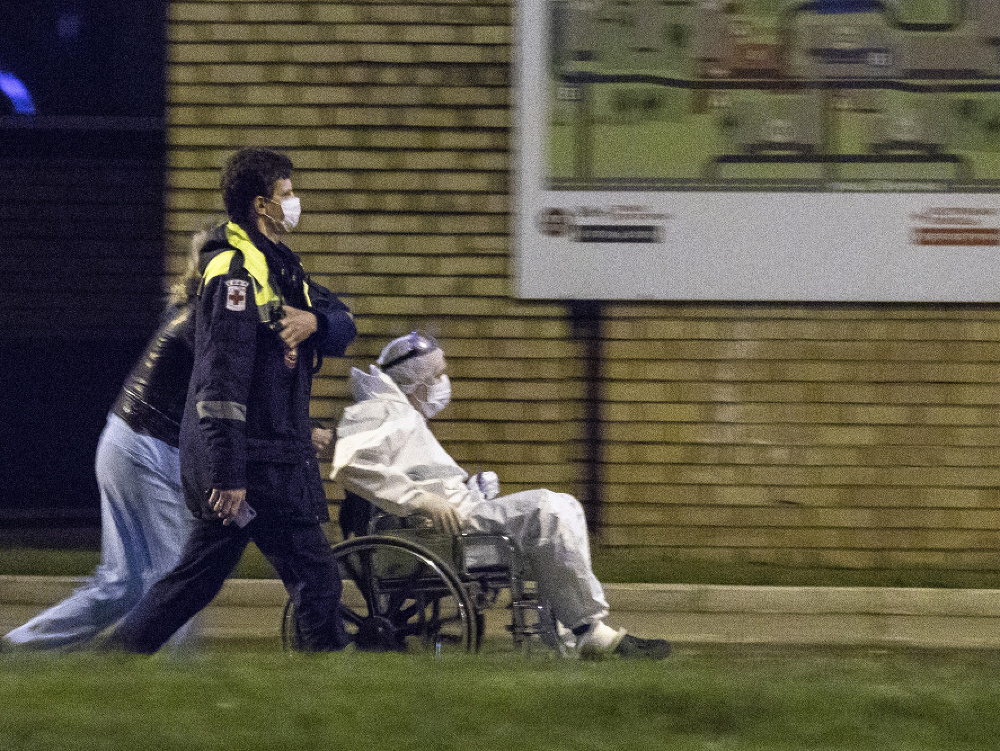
291, 207
438, 396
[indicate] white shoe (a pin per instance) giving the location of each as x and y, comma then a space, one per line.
599, 641
565, 636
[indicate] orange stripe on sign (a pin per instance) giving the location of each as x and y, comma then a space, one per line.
956, 236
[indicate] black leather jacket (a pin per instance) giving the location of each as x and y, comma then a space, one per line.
152, 400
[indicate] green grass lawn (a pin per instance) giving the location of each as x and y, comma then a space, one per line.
246, 697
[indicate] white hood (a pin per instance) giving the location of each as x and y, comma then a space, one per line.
374, 385
386, 452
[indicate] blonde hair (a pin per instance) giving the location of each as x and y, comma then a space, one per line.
187, 286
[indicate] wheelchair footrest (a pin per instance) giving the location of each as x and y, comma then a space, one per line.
542, 620
533, 618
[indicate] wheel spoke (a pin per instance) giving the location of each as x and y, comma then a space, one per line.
411, 629
355, 619
404, 615
362, 576
402, 592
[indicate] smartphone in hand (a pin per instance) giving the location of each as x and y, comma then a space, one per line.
245, 516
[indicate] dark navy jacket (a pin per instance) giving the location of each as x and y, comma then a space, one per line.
246, 420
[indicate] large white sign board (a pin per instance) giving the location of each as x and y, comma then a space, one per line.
679, 151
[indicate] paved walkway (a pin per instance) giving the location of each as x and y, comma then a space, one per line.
848, 616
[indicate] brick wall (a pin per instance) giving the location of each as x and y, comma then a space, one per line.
860, 436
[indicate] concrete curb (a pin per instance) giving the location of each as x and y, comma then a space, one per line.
695, 613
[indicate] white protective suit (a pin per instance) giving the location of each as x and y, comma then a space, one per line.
386, 453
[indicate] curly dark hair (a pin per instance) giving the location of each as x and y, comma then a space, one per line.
249, 173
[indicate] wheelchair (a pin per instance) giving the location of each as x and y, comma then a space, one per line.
408, 588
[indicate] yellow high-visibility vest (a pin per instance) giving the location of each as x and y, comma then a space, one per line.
266, 297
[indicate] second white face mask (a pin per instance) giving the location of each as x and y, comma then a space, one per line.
292, 209
438, 396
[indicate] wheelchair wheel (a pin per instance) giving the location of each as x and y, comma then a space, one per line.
398, 596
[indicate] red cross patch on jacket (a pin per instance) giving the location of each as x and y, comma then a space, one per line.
236, 296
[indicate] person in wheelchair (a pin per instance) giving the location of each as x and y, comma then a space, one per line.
386, 453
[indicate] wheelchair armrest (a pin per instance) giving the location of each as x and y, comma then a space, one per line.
361, 517
382, 521
470, 552
484, 552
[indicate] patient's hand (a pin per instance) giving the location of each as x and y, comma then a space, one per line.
441, 513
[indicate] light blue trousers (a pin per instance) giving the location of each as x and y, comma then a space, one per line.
144, 525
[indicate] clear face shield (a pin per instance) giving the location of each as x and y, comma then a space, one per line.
401, 356
406, 348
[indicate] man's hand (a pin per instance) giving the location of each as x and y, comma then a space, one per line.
441, 513
321, 438
227, 503
296, 326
